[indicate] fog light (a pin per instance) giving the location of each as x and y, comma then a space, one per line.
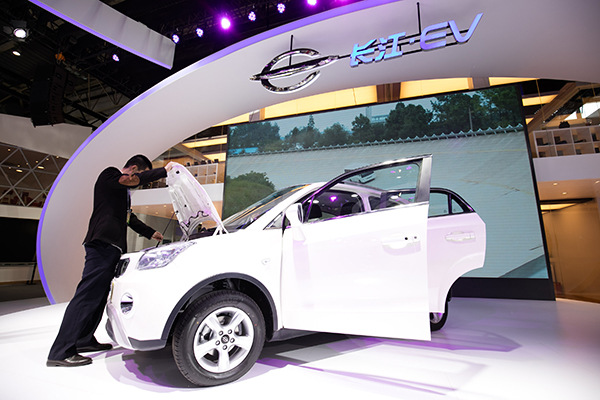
126, 303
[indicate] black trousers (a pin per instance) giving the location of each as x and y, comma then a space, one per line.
84, 312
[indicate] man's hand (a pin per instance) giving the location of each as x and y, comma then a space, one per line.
170, 165
157, 236
129, 180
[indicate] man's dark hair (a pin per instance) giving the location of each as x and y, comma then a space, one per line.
140, 160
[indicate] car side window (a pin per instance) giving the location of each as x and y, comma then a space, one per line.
383, 186
393, 186
438, 204
441, 204
276, 223
374, 202
334, 203
457, 208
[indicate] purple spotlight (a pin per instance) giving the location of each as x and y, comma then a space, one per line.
225, 23
311, 3
280, 8
175, 38
199, 32
252, 16
333, 198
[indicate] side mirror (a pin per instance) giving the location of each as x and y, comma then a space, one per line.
293, 214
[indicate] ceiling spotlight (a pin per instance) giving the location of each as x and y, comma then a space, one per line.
175, 38
199, 32
115, 57
16, 53
280, 8
17, 29
252, 16
20, 33
225, 23
311, 2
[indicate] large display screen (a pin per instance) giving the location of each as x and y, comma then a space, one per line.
479, 147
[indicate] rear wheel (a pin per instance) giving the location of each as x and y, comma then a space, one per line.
438, 320
219, 338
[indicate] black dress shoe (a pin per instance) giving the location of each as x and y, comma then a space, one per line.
73, 361
94, 347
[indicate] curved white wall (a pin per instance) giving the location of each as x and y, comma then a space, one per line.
533, 38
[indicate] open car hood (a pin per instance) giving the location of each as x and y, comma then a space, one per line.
191, 203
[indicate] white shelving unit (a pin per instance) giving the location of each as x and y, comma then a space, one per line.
205, 173
567, 141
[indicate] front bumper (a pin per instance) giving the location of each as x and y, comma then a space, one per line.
117, 333
137, 312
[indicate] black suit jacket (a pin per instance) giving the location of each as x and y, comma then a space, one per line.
108, 222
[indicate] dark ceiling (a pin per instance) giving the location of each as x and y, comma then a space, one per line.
91, 84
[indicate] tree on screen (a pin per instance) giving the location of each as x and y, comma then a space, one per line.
407, 121
244, 190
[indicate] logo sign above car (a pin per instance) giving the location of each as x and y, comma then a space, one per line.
269, 73
432, 37
378, 49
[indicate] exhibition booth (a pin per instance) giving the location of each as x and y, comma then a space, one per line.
437, 42
320, 97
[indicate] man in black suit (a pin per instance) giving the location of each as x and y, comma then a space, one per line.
104, 243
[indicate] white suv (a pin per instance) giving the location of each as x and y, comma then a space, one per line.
343, 256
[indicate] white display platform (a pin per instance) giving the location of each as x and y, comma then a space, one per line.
489, 349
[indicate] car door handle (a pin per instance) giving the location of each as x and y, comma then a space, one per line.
460, 236
400, 241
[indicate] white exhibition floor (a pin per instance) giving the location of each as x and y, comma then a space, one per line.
490, 349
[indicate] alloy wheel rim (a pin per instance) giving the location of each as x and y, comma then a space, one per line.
223, 339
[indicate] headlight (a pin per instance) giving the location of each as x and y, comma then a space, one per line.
161, 256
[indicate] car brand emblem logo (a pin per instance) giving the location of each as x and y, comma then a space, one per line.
315, 62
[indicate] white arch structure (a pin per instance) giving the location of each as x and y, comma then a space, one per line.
514, 38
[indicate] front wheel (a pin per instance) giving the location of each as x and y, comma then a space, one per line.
219, 338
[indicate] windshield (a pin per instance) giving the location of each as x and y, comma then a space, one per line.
251, 213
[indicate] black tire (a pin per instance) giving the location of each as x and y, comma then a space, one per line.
438, 320
214, 355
